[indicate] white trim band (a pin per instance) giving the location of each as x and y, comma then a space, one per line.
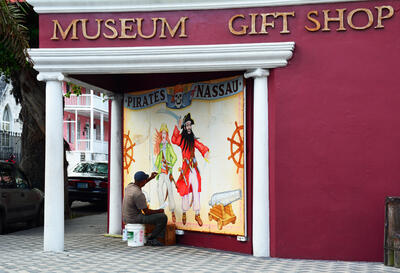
79, 6
172, 59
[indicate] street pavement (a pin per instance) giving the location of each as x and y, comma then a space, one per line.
88, 250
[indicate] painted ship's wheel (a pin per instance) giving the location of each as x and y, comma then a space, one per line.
237, 147
128, 152
219, 222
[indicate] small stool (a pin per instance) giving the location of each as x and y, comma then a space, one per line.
169, 238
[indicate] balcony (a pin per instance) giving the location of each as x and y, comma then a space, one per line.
100, 147
86, 101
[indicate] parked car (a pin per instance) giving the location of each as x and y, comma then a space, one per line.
19, 201
88, 182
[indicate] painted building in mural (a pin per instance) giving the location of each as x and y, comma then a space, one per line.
86, 126
272, 124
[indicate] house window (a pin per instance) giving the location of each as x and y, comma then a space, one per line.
97, 130
6, 124
3, 83
70, 131
79, 129
87, 135
86, 131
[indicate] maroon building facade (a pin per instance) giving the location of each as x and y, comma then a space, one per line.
333, 111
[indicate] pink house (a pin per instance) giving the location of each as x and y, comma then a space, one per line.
86, 126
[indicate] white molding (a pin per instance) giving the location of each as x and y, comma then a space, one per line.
50, 76
172, 59
80, 6
256, 73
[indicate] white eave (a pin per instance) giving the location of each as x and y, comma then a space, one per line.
165, 59
81, 6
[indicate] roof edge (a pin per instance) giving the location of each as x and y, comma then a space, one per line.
92, 6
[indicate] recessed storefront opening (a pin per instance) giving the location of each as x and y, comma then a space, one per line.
220, 105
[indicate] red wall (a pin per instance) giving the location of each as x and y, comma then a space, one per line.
335, 142
334, 132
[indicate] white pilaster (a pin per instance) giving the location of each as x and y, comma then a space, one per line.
76, 132
54, 165
102, 127
92, 136
261, 230
115, 205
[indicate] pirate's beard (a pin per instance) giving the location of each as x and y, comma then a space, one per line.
188, 140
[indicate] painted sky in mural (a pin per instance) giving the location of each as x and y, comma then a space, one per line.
192, 135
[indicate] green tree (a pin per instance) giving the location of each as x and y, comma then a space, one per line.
19, 31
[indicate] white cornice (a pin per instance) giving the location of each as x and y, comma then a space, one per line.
171, 59
81, 6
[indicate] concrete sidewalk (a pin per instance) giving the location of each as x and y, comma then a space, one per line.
87, 250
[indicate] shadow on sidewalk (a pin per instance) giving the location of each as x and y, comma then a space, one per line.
91, 224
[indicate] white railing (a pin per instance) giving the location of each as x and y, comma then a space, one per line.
100, 104
85, 101
98, 146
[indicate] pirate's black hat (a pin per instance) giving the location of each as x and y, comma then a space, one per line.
186, 119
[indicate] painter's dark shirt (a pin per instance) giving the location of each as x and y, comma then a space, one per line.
134, 202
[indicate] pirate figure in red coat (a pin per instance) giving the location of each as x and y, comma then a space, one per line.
189, 180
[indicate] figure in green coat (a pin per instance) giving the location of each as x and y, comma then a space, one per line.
165, 161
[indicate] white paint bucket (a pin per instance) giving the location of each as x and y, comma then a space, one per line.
135, 234
124, 235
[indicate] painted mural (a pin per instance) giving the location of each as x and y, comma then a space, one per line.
192, 135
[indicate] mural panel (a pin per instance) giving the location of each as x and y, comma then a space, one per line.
193, 136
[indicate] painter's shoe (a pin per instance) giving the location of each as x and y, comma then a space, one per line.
184, 218
198, 220
173, 217
153, 242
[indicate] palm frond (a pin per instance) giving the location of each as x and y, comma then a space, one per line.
13, 32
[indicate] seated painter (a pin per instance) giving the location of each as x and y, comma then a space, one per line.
135, 210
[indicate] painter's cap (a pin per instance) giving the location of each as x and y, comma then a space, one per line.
140, 176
